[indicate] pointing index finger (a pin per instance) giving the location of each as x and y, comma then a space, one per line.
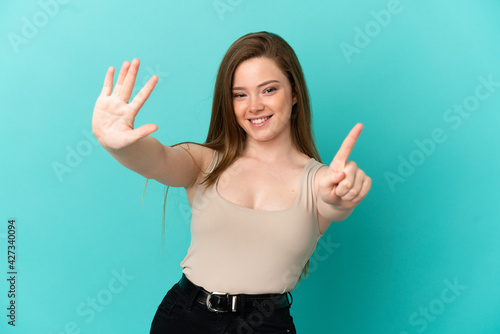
345, 150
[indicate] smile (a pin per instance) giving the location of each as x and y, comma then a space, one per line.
259, 121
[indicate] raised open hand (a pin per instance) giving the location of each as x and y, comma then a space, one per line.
113, 118
345, 185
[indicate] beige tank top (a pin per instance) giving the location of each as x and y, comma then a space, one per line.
241, 250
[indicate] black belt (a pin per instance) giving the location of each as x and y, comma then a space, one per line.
225, 302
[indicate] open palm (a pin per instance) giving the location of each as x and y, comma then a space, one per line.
113, 118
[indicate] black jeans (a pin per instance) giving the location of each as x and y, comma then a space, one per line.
180, 313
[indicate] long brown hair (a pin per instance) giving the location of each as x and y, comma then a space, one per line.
224, 134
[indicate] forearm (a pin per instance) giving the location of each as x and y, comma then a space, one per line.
145, 157
333, 213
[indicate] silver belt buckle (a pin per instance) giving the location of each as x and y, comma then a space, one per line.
209, 304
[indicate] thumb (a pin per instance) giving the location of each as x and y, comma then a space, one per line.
338, 176
144, 130
333, 179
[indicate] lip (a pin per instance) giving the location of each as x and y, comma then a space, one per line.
260, 124
258, 117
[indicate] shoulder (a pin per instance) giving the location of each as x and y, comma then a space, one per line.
201, 155
321, 171
320, 174
317, 171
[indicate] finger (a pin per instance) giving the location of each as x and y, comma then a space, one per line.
356, 188
121, 76
348, 183
144, 131
365, 188
144, 93
331, 179
340, 159
107, 88
128, 83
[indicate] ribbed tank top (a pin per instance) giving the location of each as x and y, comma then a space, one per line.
235, 249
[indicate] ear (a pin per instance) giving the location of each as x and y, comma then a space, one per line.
294, 98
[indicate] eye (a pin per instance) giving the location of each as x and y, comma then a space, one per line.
238, 95
270, 90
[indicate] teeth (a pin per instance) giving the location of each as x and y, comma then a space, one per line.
260, 120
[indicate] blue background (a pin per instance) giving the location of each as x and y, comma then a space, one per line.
379, 271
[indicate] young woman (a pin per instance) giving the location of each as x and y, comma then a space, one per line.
260, 196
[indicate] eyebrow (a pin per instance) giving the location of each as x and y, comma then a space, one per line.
262, 84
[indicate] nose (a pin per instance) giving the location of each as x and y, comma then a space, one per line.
256, 104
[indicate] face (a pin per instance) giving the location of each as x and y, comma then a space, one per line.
262, 99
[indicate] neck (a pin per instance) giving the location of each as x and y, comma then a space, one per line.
275, 150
